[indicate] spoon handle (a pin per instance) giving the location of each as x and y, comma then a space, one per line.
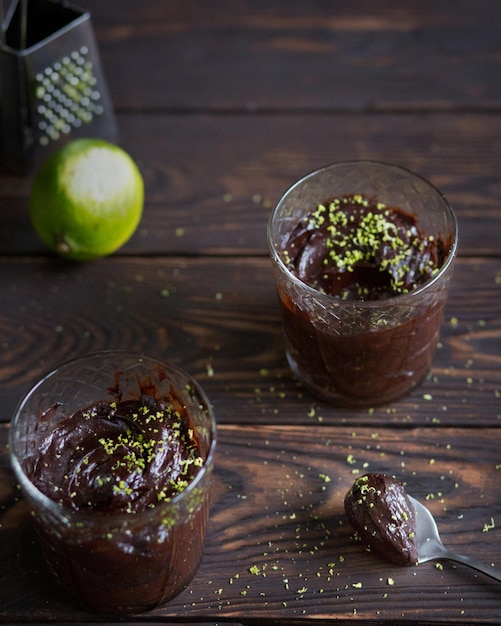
466, 560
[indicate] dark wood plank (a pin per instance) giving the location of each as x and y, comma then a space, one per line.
219, 319
261, 54
278, 544
224, 105
212, 181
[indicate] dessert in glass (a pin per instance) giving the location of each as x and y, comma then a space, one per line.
363, 253
114, 452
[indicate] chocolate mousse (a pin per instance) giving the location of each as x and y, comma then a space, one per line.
357, 248
118, 457
118, 466
359, 339
379, 509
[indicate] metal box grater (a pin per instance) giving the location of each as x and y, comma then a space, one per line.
52, 86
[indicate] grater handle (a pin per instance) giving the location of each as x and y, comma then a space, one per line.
6, 17
3, 21
24, 24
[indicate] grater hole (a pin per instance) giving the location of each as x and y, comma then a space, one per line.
67, 96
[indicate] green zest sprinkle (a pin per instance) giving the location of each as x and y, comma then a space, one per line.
150, 436
362, 233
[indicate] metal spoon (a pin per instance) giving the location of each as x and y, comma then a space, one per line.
430, 546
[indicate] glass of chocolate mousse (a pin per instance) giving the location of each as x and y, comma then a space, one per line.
363, 254
114, 453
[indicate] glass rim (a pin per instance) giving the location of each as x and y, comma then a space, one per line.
95, 517
397, 299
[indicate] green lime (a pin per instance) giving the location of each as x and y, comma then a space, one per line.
87, 199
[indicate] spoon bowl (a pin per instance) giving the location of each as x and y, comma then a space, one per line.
431, 548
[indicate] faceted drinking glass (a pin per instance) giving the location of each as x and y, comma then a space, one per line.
362, 352
116, 562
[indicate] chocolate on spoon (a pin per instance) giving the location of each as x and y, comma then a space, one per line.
398, 526
379, 509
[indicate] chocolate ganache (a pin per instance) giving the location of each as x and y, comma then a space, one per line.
118, 457
379, 509
357, 248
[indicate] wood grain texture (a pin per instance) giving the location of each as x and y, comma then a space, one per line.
219, 319
259, 55
224, 105
279, 545
212, 181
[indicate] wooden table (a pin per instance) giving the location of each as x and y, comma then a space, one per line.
223, 105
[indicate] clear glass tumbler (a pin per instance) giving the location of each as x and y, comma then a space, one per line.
351, 352
115, 562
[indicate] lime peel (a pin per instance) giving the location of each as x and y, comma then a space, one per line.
87, 199
96, 177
